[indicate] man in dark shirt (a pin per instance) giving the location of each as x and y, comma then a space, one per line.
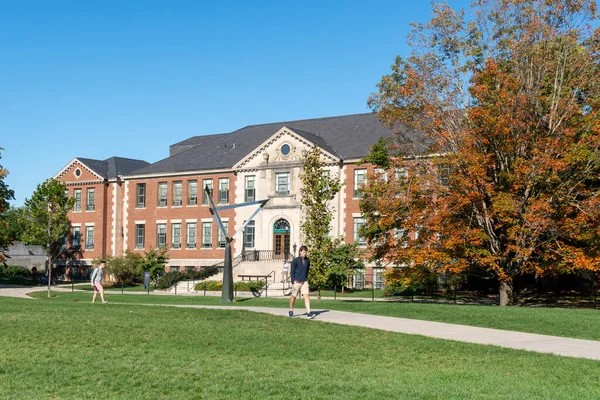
299, 279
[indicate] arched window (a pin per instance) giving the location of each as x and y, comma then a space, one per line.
281, 226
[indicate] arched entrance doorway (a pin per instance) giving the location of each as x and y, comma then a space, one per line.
281, 238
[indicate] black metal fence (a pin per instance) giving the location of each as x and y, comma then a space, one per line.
569, 291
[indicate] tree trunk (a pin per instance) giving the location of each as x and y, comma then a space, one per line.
506, 293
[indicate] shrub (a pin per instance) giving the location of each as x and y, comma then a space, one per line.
169, 279
13, 270
209, 285
252, 286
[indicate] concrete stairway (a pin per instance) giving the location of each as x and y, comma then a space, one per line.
273, 267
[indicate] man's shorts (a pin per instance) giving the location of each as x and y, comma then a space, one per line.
297, 287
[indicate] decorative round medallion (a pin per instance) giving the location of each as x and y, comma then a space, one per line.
285, 149
77, 172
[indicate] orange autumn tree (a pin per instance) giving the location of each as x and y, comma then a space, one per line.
505, 173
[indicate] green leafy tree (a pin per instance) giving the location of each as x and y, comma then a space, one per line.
318, 189
6, 195
15, 217
343, 259
154, 262
47, 218
126, 268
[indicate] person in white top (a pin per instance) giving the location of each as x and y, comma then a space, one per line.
285, 270
97, 283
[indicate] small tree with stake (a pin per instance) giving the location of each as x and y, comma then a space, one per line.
47, 220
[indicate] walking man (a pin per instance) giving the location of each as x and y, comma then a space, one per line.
299, 278
97, 282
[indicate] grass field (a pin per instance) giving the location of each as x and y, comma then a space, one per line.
574, 323
62, 348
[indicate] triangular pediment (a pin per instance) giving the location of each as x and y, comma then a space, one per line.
76, 170
285, 146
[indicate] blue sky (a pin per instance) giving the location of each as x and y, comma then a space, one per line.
98, 79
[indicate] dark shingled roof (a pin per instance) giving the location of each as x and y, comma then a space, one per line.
192, 142
347, 137
114, 166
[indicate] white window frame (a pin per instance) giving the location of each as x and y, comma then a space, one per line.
140, 233
358, 222
191, 234
177, 194
279, 185
140, 194
249, 233
192, 194
176, 235
209, 183
77, 197
161, 229
89, 244
76, 233
223, 190
163, 194
250, 187
90, 193
360, 177
221, 242
206, 235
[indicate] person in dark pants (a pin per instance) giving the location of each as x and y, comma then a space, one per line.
299, 279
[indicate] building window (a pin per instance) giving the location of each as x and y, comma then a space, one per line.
190, 268
140, 234
359, 280
176, 236
249, 235
76, 238
444, 175
285, 149
206, 183
140, 195
177, 194
359, 222
224, 190
77, 196
174, 269
401, 174
161, 236
206, 235
250, 189
360, 178
162, 194
191, 235
192, 193
89, 237
282, 183
90, 199
222, 241
378, 278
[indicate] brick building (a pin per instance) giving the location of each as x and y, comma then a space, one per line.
131, 204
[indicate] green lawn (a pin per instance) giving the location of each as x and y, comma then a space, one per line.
115, 287
61, 348
574, 323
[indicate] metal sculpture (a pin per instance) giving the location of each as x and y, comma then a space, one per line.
227, 291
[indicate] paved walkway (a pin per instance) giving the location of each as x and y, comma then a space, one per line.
580, 348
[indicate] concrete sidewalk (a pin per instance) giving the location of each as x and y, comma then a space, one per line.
580, 348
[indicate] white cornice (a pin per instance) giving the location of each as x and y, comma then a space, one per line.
67, 167
182, 173
281, 132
